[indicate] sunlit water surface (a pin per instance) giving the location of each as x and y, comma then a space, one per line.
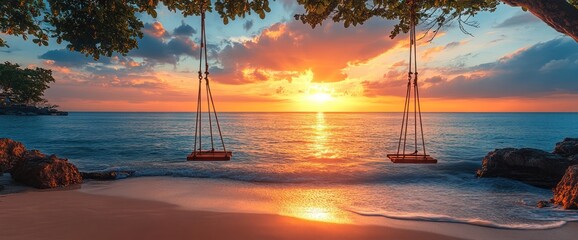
337, 160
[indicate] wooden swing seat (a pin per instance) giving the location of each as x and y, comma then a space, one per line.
209, 155
411, 158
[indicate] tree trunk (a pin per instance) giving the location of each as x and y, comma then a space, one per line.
559, 14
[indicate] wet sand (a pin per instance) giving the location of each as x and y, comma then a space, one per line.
76, 215
173, 208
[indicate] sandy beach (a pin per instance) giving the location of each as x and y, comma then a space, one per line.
76, 215
98, 211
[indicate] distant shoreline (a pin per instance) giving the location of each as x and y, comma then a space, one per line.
23, 110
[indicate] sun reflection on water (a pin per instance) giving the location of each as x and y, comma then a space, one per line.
314, 204
321, 147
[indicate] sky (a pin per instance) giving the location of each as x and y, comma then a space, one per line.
512, 62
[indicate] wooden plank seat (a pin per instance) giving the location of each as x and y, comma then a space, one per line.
210, 156
411, 158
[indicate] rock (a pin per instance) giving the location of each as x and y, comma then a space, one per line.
567, 148
532, 166
543, 204
10, 152
98, 175
41, 171
103, 176
566, 192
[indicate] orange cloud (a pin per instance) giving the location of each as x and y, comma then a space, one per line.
156, 29
430, 51
295, 47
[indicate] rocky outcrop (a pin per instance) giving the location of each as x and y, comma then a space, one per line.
567, 148
532, 166
543, 204
41, 171
566, 192
34, 168
10, 152
105, 176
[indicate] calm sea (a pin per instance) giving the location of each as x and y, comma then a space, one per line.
346, 151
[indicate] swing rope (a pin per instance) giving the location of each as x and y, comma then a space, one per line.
203, 58
412, 85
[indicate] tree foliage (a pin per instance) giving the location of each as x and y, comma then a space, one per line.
433, 14
25, 86
20, 18
102, 27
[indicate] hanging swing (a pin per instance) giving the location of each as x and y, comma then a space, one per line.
401, 156
198, 153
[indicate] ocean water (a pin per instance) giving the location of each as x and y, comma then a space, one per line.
339, 157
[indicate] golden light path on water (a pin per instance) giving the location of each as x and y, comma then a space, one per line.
320, 137
319, 149
314, 204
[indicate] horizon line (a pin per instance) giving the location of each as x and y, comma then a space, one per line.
314, 112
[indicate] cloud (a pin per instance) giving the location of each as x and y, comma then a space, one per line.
155, 29
183, 46
289, 4
67, 58
135, 83
556, 64
518, 20
543, 69
184, 30
428, 53
154, 49
158, 46
248, 25
434, 80
295, 47
548, 68
453, 45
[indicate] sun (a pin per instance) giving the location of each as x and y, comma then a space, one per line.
319, 94
321, 97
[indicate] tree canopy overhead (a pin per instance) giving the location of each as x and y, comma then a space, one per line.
103, 27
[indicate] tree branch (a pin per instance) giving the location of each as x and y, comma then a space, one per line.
558, 14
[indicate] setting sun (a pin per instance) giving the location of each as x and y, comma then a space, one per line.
321, 97
320, 94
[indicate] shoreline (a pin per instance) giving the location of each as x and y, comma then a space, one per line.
70, 214
100, 204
